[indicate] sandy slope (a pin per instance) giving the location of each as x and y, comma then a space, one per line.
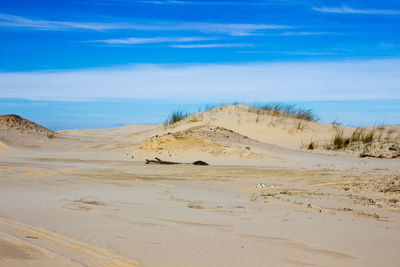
17, 123
277, 130
242, 132
81, 199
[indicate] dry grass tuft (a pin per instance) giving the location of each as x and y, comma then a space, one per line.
335, 122
339, 141
175, 117
290, 111
300, 125
272, 109
359, 136
311, 145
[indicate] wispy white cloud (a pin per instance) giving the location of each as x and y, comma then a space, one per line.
298, 33
215, 2
226, 45
374, 79
302, 33
38, 24
234, 29
349, 10
127, 41
298, 53
167, 2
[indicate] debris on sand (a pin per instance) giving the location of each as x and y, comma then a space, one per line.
159, 161
90, 201
391, 187
200, 162
261, 185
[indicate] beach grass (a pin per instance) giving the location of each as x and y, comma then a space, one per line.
176, 116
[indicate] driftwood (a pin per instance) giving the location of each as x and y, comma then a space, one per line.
159, 161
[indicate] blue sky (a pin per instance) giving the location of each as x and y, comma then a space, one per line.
200, 51
42, 35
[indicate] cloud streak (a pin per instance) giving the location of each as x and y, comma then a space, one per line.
226, 45
302, 33
349, 10
167, 2
22, 22
233, 29
134, 40
207, 3
296, 81
277, 52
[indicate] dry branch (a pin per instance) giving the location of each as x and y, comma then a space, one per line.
159, 161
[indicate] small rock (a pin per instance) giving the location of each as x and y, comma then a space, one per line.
261, 185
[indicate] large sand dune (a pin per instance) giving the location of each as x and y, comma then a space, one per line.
86, 198
228, 130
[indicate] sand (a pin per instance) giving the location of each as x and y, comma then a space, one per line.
86, 198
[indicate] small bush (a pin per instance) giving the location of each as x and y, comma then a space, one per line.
50, 135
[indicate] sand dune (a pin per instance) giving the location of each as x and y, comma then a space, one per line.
17, 123
86, 198
261, 126
237, 125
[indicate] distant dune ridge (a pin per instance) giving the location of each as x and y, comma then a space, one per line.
16, 131
231, 131
16, 123
234, 127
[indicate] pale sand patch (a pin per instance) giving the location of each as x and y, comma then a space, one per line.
44, 242
169, 142
4, 147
